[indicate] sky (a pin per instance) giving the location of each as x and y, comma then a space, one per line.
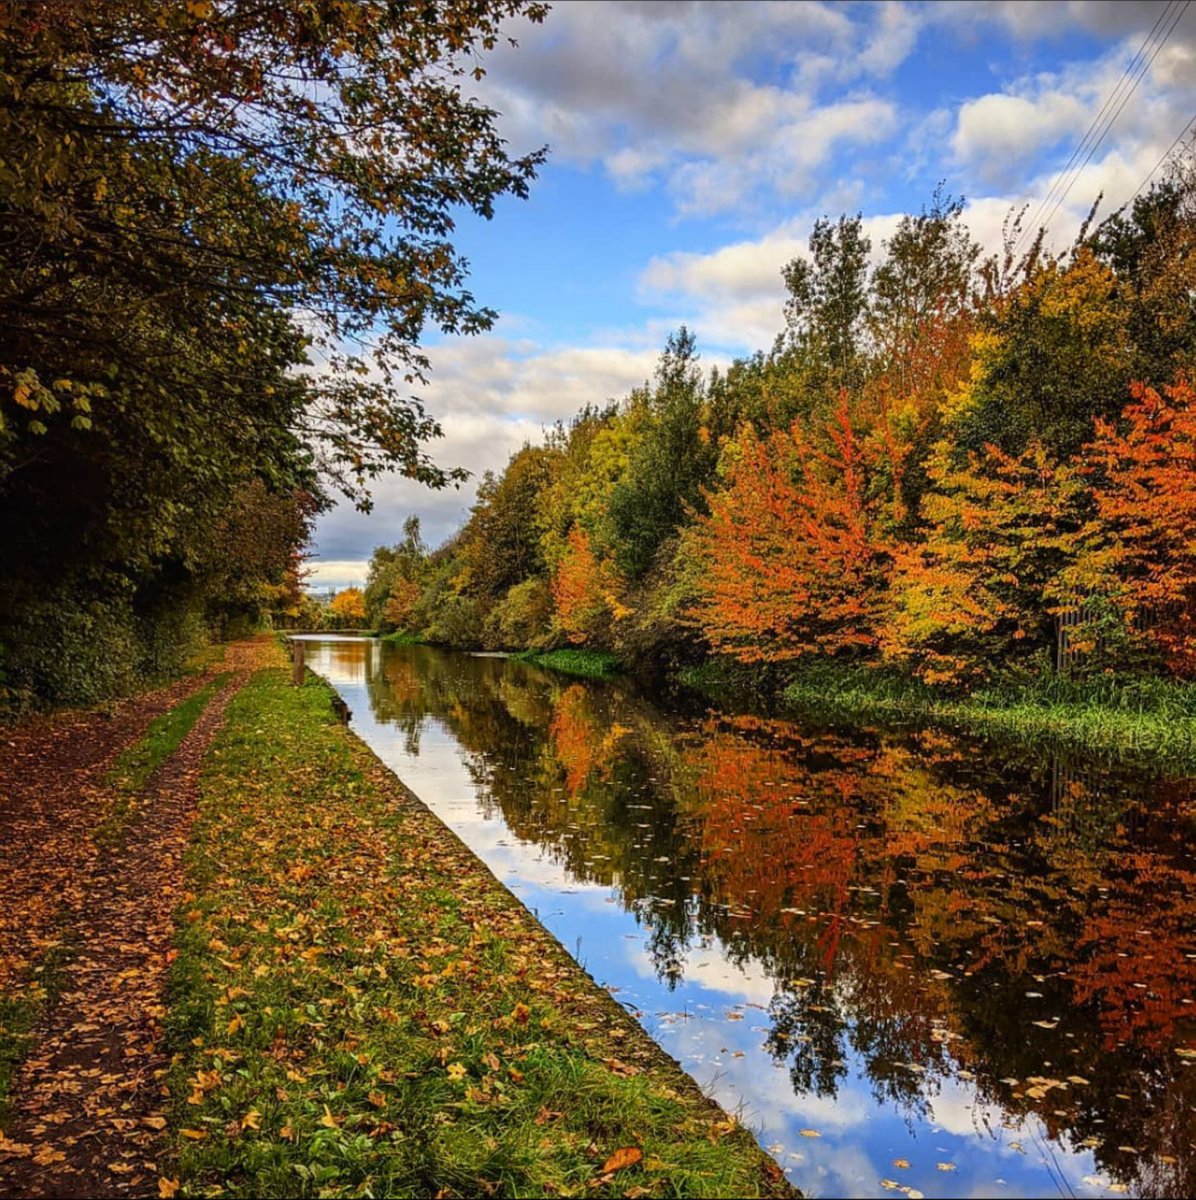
693, 145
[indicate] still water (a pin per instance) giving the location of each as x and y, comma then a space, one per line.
911, 963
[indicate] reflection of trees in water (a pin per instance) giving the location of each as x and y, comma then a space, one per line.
905, 894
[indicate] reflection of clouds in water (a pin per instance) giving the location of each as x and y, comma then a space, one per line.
957, 1110
708, 968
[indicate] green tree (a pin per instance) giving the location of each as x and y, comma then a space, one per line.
670, 461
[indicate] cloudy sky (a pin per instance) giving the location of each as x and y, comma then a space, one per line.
692, 146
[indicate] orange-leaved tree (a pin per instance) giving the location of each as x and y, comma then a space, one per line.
585, 590
788, 560
404, 595
1138, 550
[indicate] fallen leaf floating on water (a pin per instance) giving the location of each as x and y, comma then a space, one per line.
621, 1159
1046, 1024
901, 1163
945, 1166
810, 1133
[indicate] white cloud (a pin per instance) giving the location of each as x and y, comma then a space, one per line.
719, 100
491, 394
996, 134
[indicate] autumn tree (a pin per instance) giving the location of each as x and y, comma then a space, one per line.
404, 595
391, 567
1137, 551
347, 608
787, 563
972, 597
585, 592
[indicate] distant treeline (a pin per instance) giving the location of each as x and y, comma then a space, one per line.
942, 457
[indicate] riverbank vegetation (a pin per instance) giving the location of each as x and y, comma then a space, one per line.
212, 290
348, 1019
967, 476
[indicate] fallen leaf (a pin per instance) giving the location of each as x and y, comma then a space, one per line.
252, 1119
627, 1157
901, 1163
167, 1187
810, 1133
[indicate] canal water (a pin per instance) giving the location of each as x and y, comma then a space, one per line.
912, 964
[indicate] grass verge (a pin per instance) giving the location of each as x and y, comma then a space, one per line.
589, 664
1129, 718
359, 1008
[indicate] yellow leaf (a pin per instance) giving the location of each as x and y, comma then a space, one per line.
167, 1187
235, 1023
252, 1119
810, 1133
196, 1135
456, 1071
155, 1122
328, 1120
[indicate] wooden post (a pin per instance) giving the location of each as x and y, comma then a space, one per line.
297, 662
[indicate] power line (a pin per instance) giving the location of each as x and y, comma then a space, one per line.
1179, 137
1100, 126
1109, 99
1112, 120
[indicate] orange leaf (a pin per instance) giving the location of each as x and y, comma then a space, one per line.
627, 1157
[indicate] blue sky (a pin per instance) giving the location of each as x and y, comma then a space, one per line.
691, 147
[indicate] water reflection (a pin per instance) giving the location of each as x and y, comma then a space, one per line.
967, 972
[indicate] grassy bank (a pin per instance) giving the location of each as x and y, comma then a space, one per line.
589, 664
1130, 717
401, 638
359, 1008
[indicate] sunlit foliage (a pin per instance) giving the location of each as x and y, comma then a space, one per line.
942, 464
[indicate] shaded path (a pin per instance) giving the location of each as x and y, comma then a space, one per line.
53, 796
87, 1100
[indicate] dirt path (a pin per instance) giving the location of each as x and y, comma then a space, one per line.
86, 1102
52, 798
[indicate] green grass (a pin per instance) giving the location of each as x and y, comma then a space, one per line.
589, 664
1128, 717
402, 637
359, 1008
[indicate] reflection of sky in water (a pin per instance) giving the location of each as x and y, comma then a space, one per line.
714, 1021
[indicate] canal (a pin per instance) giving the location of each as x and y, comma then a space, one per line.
911, 963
